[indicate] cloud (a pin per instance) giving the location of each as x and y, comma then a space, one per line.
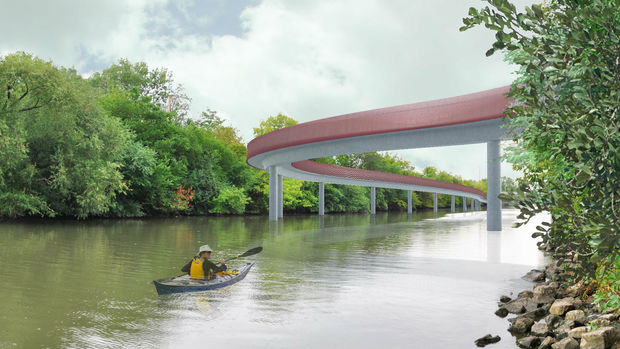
249, 59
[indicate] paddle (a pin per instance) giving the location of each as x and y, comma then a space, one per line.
247, 253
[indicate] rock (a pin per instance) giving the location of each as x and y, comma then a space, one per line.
534, 275
540, 329
562, 330
501, 312
601, 338
579, 316
546, 343
610, 317
578, 303
521, 325
566, 343
528, 342
553, 320
544, 293
561, 306
600, 322
525, 294
536, 314
530, 305
517, 306
486, 340
505, 299
577, 332
575, 290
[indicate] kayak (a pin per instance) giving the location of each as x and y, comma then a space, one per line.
186, 284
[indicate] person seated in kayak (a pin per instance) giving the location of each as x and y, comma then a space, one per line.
201, 267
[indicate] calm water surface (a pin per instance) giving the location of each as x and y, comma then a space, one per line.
344, 281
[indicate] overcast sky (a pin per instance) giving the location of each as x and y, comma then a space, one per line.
249, 59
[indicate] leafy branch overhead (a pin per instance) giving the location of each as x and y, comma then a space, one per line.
567, 96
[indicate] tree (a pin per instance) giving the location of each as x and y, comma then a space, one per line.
567, 97
65, 151
273, 123
156, 85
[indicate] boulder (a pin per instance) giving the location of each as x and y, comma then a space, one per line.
525, 294
553, 320
566, 343
579, 316
610, 317
534, 275
575, 290
528, 342
505, 299
517, 306
501, 312
601, 338
535, 314
562, 331
546, 343
600, 322
561, 306
577, 332
540, 329
486, 340
521, 325
544, 293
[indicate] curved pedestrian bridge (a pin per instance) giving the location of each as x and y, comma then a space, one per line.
467, 119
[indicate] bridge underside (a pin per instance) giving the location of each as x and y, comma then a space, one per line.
470, 119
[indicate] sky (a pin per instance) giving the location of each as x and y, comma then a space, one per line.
308, 59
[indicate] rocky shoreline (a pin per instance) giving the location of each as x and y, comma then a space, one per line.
557, 313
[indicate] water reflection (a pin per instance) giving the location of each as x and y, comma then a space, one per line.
336, 280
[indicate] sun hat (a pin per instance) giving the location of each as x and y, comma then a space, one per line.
205, 248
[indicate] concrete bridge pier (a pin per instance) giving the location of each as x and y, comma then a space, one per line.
280, 196
434, 202
373, 200
321, 199
273, 193
409, 204
452, 204
464, 204
494, 205
472, 205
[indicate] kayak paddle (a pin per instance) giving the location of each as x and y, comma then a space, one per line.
249, 252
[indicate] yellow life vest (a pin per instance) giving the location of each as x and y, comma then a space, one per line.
196, 271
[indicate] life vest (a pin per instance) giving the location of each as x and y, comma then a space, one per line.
196, 271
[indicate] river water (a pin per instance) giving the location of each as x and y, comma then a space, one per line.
344, 281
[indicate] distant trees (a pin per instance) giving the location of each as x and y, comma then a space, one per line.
112, 145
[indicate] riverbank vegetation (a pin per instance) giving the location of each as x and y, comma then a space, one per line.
121, 143
567, 97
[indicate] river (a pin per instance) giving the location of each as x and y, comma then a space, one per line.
342, 281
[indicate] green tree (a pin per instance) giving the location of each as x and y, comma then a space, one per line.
568, 95
273, 123
67, 152
156, 85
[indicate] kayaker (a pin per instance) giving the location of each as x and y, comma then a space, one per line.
201, 267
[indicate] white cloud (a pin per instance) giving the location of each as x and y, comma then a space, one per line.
307, 59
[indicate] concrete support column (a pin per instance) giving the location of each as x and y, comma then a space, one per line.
435, 202
409, 205
494, 205
321, 199
273, 193
464, 204
453, 204
373, 198
280, 196
472, 205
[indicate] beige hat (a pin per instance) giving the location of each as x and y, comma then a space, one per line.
205, 248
